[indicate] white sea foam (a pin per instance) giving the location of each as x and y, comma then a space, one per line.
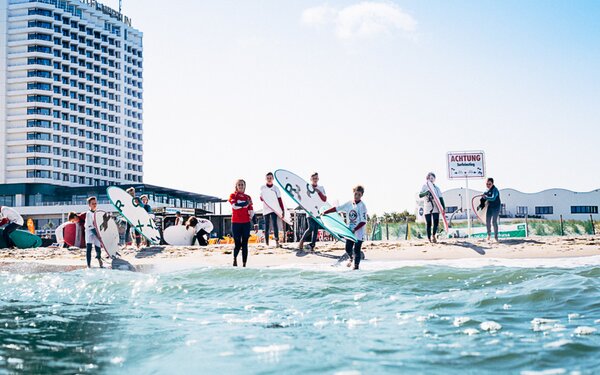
380, 265
583, 330
117, 360
490, 326
557, 344
271, 348
470, 331
554, 371
459, 321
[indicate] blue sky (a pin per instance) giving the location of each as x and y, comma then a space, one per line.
369, 92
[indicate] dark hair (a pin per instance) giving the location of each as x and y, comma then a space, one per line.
72, 215
314, 174
490, 180
192, 222
178, 213
359, 188
269, 174
92, 198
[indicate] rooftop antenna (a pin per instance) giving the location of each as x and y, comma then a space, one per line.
120, 4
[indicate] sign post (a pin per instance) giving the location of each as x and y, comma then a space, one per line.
466, 165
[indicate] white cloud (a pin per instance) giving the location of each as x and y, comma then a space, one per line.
319, 16
362, 20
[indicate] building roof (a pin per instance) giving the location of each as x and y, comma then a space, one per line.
64, 191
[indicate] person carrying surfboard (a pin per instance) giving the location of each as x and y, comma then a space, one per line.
59, 232
11, 220
242, 213
91, 235
313, 226
268, 213
492, 197
432, 212
357, 221
135, 237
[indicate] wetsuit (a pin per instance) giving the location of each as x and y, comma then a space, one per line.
492, 196
240, 224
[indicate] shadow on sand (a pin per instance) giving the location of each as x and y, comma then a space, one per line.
149, 251
478, 249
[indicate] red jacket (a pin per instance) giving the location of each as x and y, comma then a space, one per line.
241, 215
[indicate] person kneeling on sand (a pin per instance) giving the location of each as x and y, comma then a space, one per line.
91, 235
199, 226
13, 221
357, 221
59, 232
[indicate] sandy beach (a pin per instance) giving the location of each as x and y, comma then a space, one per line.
326, 253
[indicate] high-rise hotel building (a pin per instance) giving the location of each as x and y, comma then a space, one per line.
71, 94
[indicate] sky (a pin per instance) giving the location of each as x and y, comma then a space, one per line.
369, 92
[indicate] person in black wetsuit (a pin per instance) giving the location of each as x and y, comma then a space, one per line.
492, 197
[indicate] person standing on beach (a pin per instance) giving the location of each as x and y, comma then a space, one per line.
432, 214
59, 232
313, 227
145, 205
91, 235
179, 218
199, 226
492, 197
241, 215
135, 237
268, 213
12, 221
357, 221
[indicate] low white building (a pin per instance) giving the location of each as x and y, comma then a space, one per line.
548, 204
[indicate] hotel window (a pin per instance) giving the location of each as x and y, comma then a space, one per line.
584, 209
544, 210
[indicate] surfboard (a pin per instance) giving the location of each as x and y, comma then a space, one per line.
334, 221
270, 200
305, 196
70, 234
108, 232
22, 239
436, 201
479, 212
178, 235
134, 213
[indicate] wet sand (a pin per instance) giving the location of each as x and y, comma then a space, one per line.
326, 253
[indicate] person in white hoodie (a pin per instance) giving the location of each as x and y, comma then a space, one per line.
91, 235
13, 221
59, 232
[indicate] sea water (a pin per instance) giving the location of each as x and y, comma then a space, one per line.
388, 318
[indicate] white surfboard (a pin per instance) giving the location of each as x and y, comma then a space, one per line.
206, 224
306, 196
300, 191
134, 213
178, 235
481, 213
270, 200
438, 203
108, 232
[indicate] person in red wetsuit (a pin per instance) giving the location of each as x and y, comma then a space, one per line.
241, 215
